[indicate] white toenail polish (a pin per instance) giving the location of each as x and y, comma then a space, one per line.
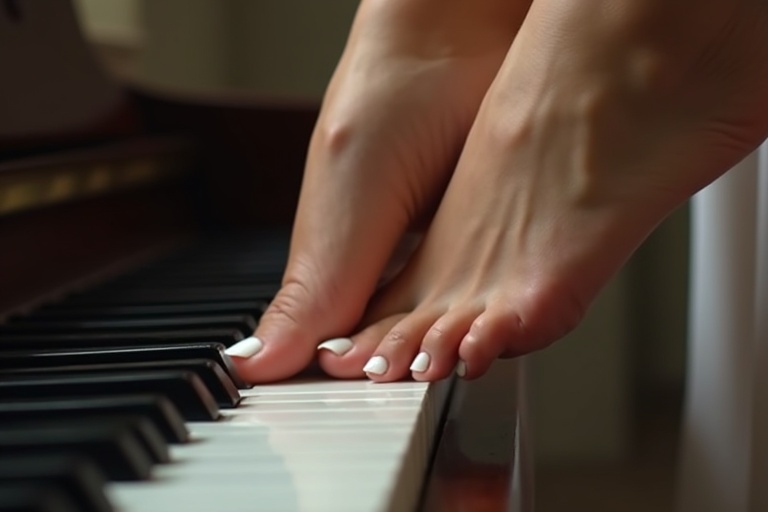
338, 346
246, 348
376, 365
420, 363
461, 369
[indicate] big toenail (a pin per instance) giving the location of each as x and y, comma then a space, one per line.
376, 365
420, 363
246, 348
461, 369
338, 346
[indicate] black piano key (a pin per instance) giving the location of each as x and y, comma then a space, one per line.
183, 388
113, 446
238, 249
253, 264
271, 258
160, 295
223, 273
146, 432
64, 311
211, 252
83, 481
106, 355
243, 323
257, 256
157, 409
36, 497
210, 373
193, 279
44, 341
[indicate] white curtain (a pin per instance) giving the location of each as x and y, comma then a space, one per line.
724, 452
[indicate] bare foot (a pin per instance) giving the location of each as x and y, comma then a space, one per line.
586, 140
392, 126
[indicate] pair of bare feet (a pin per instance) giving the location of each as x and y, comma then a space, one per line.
540, 142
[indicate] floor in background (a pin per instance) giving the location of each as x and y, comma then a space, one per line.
643, 484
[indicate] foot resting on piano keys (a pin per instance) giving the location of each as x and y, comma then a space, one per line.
597, 125
393, 122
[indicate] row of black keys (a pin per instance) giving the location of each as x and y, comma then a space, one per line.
94, 387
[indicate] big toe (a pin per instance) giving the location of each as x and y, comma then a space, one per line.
302, 314
326, 288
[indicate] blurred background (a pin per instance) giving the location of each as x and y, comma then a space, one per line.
605, 401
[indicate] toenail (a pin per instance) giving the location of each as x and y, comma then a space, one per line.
246, 348
420, 363
338, 346
376, 365
461, 369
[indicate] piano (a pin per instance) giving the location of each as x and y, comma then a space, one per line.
142, 231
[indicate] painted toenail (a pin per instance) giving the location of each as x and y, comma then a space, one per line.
420, 363
246, 348
461, 369
338, 346
376, 365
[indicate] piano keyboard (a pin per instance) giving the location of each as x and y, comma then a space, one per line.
304, 446
121, 398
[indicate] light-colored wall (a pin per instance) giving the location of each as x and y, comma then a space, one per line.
659, 298
112, 21
288, 47
187, 43
275, 47
581, 388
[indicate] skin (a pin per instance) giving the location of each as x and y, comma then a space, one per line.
599, 120
393, 121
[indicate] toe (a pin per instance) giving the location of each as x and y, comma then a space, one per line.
284, 342
399, 347
438, 354
344, 358
489, 336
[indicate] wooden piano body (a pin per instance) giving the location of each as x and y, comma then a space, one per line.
98, 178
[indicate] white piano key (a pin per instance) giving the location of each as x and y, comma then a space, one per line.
335, 387
245, 498
328, 397
237, 434
227, 467
331, 406
269, 415
349, 424
300, 446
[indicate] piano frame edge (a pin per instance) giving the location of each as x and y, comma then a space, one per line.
482, 460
